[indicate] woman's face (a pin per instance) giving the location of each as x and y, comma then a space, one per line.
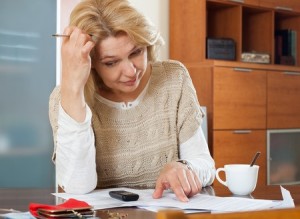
120, 63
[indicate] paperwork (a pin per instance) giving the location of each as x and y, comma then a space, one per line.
100, 199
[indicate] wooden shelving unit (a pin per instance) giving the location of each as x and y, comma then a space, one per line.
243, 100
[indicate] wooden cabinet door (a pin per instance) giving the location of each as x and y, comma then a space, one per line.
283, 100
239, 147
239, 98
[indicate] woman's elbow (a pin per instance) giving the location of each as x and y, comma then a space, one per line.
81, 188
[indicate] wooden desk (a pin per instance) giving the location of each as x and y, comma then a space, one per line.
19, 199
262, 192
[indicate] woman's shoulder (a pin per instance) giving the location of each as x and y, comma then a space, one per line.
169, 64
55, 94
54, 98
169, 76
171, 68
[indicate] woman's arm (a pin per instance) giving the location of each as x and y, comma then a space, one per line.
76, 66
186, 182
71, 117
75, 154
195, 151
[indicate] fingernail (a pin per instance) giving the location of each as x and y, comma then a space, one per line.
185, 199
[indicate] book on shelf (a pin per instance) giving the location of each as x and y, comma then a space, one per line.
286, 47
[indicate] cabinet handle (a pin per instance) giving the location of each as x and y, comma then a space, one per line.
242, 131
243, 69
239, 1
291, 73
283, 8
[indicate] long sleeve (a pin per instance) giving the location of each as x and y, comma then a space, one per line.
195, 151
75, 154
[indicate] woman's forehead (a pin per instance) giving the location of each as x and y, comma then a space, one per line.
112, 45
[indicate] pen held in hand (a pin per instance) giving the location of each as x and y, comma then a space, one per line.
60, 35
64, 35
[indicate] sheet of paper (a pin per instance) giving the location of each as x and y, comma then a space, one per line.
208, 203
100, 199
287, 201
156, 209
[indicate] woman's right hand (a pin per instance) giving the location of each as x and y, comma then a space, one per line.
76, 66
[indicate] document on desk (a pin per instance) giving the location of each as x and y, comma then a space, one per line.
100, 199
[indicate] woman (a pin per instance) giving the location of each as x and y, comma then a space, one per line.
120, 118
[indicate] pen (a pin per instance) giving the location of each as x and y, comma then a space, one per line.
60, 35
64, 35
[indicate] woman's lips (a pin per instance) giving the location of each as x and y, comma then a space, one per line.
130, 83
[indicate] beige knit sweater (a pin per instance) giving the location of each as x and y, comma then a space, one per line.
133, 145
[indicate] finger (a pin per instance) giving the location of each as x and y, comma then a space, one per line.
75, 38
68, 31
166, 185
159, 189
198, 182
82, 39
183, 176
86, 49
194, 188
178, 189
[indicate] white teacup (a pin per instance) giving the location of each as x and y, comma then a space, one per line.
241, 179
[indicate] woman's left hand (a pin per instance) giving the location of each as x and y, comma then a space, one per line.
177, 176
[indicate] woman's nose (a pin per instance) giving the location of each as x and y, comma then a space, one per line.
129, 68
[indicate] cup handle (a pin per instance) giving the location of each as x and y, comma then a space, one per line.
218, 177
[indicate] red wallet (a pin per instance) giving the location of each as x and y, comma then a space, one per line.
70, 208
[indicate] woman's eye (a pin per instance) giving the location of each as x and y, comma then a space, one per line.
110, 64
137, 52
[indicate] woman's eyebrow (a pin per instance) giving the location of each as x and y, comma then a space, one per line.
107, 57
114, 56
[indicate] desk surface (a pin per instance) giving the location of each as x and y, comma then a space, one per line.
19, 199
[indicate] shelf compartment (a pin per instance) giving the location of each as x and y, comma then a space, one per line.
285, 20
224, 21
257, 36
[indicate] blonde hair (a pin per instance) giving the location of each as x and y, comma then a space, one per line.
104, 18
